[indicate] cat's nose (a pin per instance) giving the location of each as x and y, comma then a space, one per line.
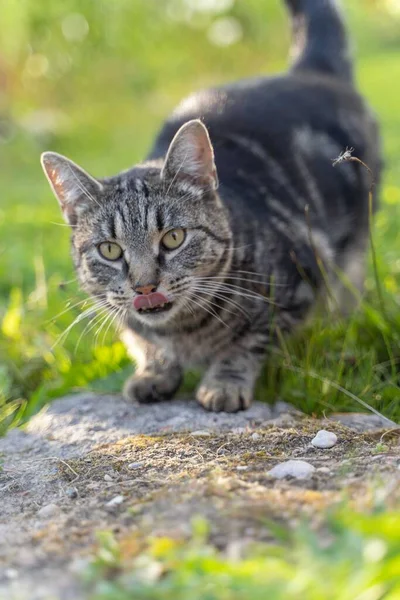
145, 289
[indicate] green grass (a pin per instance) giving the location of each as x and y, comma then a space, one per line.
356, 558
100, 99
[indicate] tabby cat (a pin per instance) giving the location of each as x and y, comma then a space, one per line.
226, 234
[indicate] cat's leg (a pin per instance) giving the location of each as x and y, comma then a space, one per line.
228, 384
158, 374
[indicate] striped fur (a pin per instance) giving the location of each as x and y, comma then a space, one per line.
250, 266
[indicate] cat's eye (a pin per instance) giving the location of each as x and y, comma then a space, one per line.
110, 250
173, 239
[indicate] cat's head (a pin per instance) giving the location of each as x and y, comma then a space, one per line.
142, 240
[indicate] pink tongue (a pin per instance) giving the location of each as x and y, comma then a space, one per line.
149, 300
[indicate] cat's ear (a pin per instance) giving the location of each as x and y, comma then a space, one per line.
191, 155
74, 189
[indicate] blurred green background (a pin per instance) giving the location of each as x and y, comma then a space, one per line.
94, 80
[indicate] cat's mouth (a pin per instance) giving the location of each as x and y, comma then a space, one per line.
156, 309
152, 303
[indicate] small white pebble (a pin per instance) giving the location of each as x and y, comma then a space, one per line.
324, 439
201, 433
255, 436
136, 465
48, 511
115, 501
107, 477
11, 573
299, 469
241, 468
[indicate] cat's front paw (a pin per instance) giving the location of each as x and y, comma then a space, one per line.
224, 396
153, 387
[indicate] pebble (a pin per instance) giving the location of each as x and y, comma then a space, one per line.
324, 470
115, 501
71, 493
48, 511
255, 436
241, 468
201, 433
133, 466
324, 439
11, 573
299, 469
107, 477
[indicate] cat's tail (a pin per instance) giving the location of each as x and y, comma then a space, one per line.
319, 38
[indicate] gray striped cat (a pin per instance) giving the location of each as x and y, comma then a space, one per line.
214, 244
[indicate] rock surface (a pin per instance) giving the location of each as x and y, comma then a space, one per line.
165, 464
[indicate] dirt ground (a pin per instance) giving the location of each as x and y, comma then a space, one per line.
89, 463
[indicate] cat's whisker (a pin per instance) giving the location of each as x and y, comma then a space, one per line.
111, 322
236, 305
121, 318
187, 306
106, 319
255, 273
236, 274
242, 279
210, 311
217, 297
63, 225
94, 321
84, 301
238, 290
64, 334
91, 325
86, 313
68, 281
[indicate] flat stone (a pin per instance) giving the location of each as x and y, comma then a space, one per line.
48, 511
324, 439
299, 469
200, 433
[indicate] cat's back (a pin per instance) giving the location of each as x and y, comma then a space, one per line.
275, 138
269, 133
317, 93
270, 110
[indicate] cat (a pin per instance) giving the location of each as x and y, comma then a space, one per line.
225, 235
